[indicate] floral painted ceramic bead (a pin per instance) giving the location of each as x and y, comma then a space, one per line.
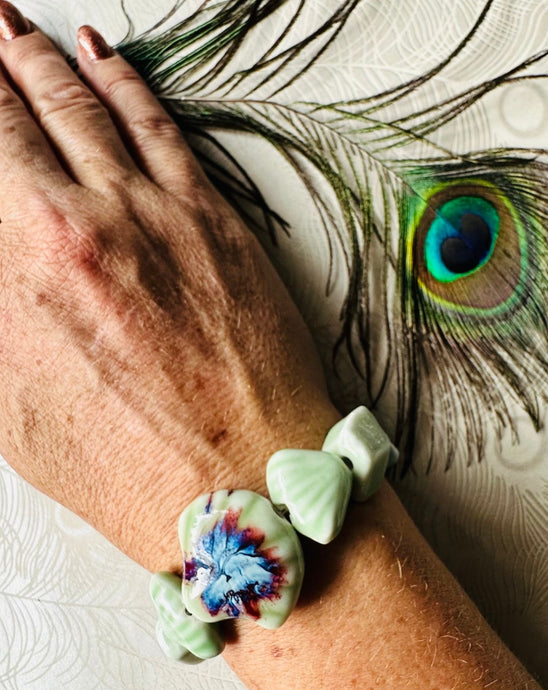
361, 439
314, 487
240, 558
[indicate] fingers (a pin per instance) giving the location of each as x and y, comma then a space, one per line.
25, 155
154, 138
81, 124
78, 126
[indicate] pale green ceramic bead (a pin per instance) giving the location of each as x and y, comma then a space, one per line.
240, 559
172, 649
180, 629
315, 488
361, 439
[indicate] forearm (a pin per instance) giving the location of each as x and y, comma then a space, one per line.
378, 609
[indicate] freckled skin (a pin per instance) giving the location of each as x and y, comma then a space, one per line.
276, 652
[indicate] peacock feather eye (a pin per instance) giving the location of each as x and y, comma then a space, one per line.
468, 247
443, 253
461, 238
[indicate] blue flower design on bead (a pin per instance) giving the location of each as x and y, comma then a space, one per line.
234, 574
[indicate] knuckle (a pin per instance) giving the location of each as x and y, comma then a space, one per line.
23, 58
65, 98
152, 126
69, 249
124, 79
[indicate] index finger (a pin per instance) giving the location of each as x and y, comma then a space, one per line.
76, 123
26, 158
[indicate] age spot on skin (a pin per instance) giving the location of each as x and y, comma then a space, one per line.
30, 422
218, 437
199, 383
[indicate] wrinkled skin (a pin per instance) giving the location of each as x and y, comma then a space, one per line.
131, 358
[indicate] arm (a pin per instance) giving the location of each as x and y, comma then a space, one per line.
378, 609
140, 369
381, 611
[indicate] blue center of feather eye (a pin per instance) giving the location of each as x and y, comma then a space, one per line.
461, 238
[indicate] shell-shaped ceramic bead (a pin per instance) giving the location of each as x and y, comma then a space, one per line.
361, 439
240, 558
315, 488
179, 633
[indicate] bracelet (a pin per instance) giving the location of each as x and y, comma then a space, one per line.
241, 553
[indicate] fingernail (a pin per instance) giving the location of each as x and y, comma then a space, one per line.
94, 45
12, 22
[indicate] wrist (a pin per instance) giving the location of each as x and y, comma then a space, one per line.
143, 516
377, 589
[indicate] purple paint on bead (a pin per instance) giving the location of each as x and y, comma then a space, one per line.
234, 573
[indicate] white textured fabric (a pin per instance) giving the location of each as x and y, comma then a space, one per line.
74, 612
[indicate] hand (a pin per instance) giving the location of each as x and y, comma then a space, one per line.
148, 351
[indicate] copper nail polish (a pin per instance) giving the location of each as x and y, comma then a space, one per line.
93, 43
12, 22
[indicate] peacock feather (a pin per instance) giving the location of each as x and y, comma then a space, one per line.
445, 252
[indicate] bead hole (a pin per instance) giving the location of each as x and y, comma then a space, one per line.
348, 462
282, 510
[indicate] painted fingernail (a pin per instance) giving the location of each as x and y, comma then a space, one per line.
12, 22
94, 45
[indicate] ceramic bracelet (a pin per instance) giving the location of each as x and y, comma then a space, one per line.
243, 558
